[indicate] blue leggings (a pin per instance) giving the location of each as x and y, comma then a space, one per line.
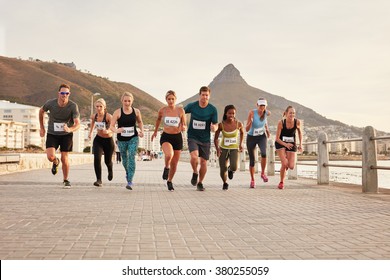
128, 151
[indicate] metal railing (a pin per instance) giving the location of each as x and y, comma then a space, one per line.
369, 159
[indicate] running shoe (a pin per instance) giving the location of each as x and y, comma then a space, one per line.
252, 185
165, 173
110, 175
98, 183
194, 179
281, 186
230, 173
54, 168
225, 186
67, 184
199, 187
170, 186
129, 186
265, 179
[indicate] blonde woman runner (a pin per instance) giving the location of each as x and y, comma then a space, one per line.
127, 118
103, 141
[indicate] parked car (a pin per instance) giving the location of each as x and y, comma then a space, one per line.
145, 158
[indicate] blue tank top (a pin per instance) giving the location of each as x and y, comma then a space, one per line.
258, 125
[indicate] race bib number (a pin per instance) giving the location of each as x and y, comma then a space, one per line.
100, 125
258, 131
172, 121
288, 139
198, 124
230, 141
127, 131
59, 126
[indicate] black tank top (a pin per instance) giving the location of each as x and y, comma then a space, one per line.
288, 132
104, 120
127, 121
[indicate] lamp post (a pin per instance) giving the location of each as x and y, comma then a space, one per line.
94, 94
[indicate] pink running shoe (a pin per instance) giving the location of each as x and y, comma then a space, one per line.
265, 179
281, 186
252, 185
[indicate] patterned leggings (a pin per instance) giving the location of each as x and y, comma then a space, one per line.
128, 151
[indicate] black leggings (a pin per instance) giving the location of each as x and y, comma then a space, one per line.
101, 145
251, 142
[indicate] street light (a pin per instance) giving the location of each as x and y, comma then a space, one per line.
94, 94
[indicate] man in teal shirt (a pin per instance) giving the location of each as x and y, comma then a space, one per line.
204, 119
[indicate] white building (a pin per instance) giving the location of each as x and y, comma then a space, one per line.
27, 114
79, 139
146, 143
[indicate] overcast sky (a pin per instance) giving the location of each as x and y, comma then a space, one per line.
330, 55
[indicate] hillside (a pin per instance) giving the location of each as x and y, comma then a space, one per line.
34, 82
228, 87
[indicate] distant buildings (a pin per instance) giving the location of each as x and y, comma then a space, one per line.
13, 115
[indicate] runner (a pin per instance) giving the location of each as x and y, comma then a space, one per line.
230, 144
103, 141
174, 121
64, 119
204, 119
127, 118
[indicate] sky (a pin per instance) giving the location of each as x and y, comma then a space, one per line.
331, 56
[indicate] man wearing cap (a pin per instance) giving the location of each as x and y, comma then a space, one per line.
204, 119
258, 131
64, 119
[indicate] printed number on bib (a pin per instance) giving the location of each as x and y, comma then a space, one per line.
100, 125
59, 126
199, 124
230, 141
288, 139
128, 131
258, 131
172, 121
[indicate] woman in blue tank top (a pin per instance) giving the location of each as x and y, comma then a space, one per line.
127, 119
258, 132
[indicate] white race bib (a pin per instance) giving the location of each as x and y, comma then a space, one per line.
258, 131
230, 141
127, 131
288, 139
59, 126
100, 125
198, 124
172, 121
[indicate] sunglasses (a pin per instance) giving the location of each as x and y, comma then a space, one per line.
64, 93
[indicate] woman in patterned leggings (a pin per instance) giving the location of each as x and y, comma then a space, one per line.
127, 118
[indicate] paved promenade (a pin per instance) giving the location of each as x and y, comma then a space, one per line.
40, 220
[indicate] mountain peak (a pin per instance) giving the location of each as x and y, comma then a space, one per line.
229, 74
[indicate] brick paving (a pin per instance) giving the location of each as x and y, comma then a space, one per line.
40, 220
